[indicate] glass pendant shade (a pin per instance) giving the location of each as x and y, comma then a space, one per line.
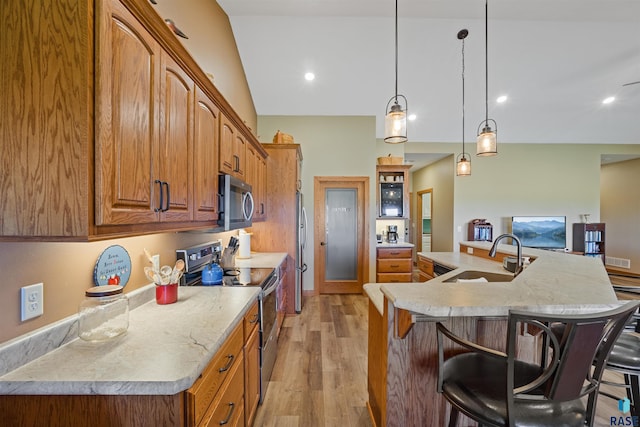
487, 144
395, 124
463, 165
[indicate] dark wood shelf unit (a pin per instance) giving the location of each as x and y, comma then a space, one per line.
589, 239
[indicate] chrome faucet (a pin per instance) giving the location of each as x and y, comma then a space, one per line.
494, 248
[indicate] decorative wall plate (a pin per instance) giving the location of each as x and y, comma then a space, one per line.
113, 267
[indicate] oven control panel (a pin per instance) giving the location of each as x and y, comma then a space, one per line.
197, 256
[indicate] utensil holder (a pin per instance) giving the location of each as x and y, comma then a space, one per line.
167, 294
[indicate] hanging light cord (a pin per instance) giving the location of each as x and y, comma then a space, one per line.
396, 97
463, 98
486, 59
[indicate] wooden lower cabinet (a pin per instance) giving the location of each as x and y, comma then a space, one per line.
204, 396
251, 365
227, 407
425, 267
393, 265
216, 398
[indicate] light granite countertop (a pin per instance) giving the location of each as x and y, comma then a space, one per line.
395, 245
163, 352
262, 260
554, 282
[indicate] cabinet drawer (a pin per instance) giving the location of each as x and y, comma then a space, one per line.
394, 265
393, 278
251, 321
228, 407
394, 252
423, 277
203, 391
425, 265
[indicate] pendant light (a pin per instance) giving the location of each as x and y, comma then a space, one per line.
463, 161
395, 121
487, 144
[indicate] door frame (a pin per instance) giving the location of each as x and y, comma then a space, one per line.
361, 183
419, 232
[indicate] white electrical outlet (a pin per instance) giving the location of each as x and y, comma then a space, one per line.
156, 262
31, 301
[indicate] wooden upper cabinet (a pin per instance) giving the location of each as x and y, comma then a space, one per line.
256, 175
175, 142
205, 158
103, 136
45, 130
232, 149
127, 125
144, 136
240, 153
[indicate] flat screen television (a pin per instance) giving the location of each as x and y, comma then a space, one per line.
542, 232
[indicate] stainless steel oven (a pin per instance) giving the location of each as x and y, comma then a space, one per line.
268, 331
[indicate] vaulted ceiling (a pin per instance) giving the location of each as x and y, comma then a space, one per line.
555, 60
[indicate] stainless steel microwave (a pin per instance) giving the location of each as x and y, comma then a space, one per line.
236, 203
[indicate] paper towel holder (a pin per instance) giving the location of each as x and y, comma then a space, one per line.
244, 251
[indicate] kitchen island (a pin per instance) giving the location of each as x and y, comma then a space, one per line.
402, 365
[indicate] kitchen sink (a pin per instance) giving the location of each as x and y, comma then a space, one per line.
473, 274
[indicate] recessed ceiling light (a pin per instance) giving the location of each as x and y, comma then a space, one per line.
501, 99
309, 76
609, 100
412, 117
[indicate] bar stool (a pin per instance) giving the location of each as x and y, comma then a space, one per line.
496, 389
625, 359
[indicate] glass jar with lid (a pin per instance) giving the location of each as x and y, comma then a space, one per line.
104, 313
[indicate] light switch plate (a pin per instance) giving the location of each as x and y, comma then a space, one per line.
31, 301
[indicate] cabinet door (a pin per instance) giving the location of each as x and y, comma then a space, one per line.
127, 96
256, 176
251, 376
205, 159
227, 138
176, 141
261, 206
239, 155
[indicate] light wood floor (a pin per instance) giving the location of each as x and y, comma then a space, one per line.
320, 375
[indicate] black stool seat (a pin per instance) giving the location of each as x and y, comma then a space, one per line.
484, 398
625, 354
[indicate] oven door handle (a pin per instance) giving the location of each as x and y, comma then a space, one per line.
271, 287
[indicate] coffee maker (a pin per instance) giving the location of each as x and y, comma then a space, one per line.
392, 234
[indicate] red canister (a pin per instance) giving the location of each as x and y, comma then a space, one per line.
167, 294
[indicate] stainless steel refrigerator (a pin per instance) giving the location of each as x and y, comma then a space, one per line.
301, 239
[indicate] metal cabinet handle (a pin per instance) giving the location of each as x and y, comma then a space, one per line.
394, 266
166, 186
228, 365
232, 406
322, 243
159, 209
255, 319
